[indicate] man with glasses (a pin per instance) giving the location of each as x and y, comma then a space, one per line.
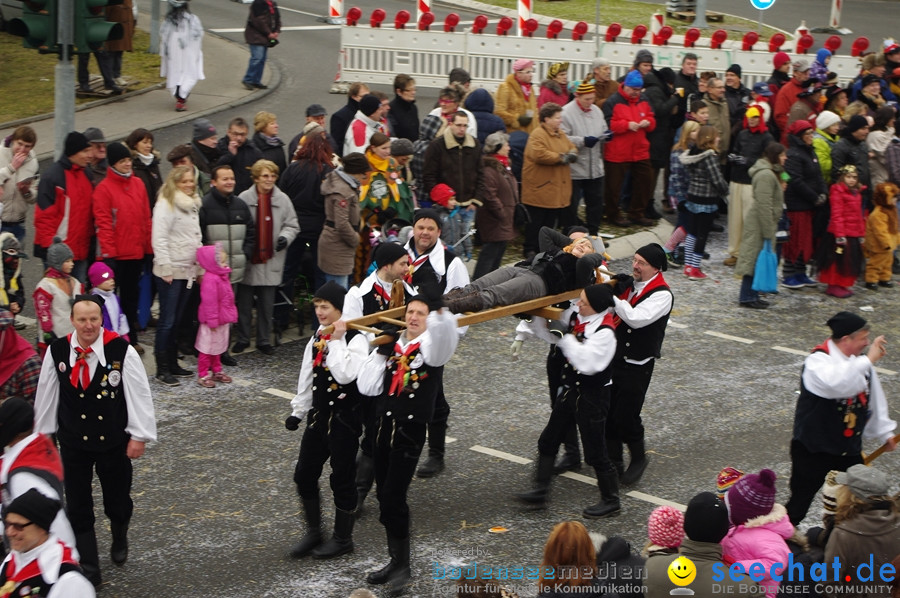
403, 118
788, 94
719, 116
642, 309
38, 560
237, 153
97, 164
94, 395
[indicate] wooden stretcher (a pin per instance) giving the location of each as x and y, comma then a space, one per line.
867, 459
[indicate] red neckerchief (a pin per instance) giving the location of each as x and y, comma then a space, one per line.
502, 159
271, 7
415, 264
54, 273
384, 293
81, 369
320, 345
401, 358
526, 90
578, 327
265, 243
658, 281
862, 397
32, 569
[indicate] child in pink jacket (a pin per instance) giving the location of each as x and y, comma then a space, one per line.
760, 527
217, 311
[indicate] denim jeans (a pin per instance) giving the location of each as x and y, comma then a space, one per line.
747, 292
344, 280
257, 64
16, 229
172, 299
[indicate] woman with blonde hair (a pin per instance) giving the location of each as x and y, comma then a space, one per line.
175, 238
266, 139
679, 179
570, 561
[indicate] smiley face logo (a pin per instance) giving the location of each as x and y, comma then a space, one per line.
682, 571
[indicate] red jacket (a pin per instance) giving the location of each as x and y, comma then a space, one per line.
627, 145
64, 209
846, 212
122, 215
786, 97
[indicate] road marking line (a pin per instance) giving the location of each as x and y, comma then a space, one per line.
450, 439
886, 372
729, 337
578, 477
882, 371
655, 500
301, 12
500, 454
278, 393
676, 325
298, 28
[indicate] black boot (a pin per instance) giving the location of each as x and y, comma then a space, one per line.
437, 438
616, 454
175, 369
541, 491
571, 457
313, 513
86, 543
365, 477
639, 462
162, 370
118, 552
401, 574
457, 293
467, 303
341, 541
381, 576
609, 506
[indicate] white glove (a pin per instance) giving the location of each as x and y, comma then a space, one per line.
515, 349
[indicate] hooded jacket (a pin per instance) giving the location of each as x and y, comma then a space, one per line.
846, 212
11, 290
761, 222
216, 295
481, 105
339, 239
122, 216
873, 534
761, 540
822, 144
15, 205
627, 145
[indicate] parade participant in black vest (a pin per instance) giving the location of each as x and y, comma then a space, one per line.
643, 304
429, 260
373, 295
39, 563
328, 398
586, 336
94, 395
841, 403
405, 376
30, 460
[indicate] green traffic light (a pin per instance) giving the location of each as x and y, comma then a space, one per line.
37, 25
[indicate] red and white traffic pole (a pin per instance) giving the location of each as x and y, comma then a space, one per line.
836, 6
335, 9
524, 15
422, 6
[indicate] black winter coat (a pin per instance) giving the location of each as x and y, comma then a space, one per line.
848, 150
275, 153
806, 182
240, 163
340, 121
403, 119
662, 101
750, 146
481, 104
149, 175
302, 182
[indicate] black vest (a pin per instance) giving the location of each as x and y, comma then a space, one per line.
327, 394
638, 344
35, 585
373, 302
93, 419
586, 385
425, 273
414, 401
822, 425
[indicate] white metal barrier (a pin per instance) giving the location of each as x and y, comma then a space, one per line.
376, 55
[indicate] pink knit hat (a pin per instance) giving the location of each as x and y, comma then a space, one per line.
666, 527
521, 64
751, 496
99, 273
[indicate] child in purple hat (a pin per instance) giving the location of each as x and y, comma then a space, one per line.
103, 283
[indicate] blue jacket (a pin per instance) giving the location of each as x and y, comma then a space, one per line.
481, 104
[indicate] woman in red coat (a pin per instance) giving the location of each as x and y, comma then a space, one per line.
840, 256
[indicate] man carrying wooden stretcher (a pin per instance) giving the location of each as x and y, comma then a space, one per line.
562, 265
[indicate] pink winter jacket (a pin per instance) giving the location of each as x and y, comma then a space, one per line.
216, 295
761, 540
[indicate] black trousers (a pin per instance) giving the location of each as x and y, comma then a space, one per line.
490, 258
539, 217
629, 387
104, 61
808, 471
592, 191
370, 428
700, 225
397, 450
555, 362
115, 473
128, 281
589, 412
335, 435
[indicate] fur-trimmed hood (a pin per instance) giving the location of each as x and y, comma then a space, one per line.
688, 157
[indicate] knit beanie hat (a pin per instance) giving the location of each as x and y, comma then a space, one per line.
736, 69
115, 152
203, 129
654, 254
856, 122
600, 296
75, 142
801, 65
643, 55
441, 194
706, 519
666, 75
58, 253
751, 496
388, 253
402, 147
99, 273
780, 59
428, 213
869, 79
827, 118
333, 293
634, 79
583, 88
356, 163
798, 127
829, 492
37, 508
16, 417
726, 479
665, 527
844, 323
369, 104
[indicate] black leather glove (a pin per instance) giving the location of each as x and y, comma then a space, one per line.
590, 141
525, 120
281, 244
292, 422
556, 327
387, 349
623, 283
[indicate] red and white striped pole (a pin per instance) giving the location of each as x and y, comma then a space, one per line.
656, 23
422, 6
836, 6
335, 9
524, 15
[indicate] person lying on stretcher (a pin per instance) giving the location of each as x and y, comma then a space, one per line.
562, 265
